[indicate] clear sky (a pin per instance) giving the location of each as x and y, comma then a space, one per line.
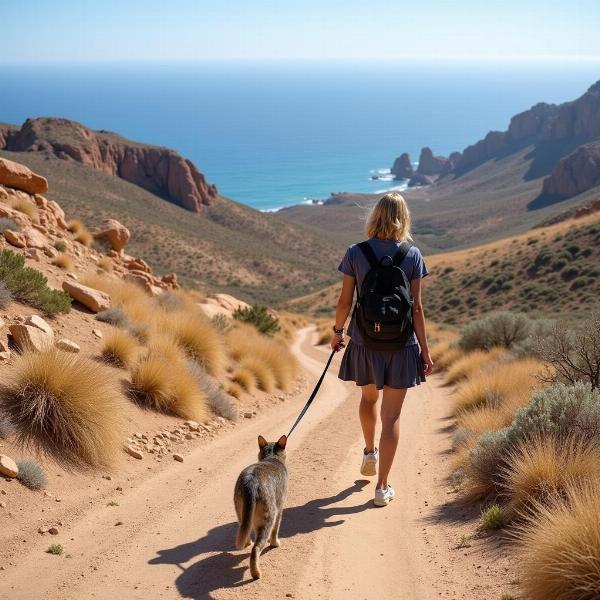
101, 30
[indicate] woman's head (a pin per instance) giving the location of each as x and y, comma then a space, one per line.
389, 219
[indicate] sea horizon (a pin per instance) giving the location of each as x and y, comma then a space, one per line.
272, 134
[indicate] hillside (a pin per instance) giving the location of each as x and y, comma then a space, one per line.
547, 271
226, 247
546, 162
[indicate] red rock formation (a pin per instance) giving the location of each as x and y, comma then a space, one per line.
159, 170
575, 173
20, 177
430, 164
402, 168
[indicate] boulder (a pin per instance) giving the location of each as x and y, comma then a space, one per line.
402, 167
28, 337
430, 164
14, 238
221, 304
34, 254
34, 238
575, 173
116, 234
419, 179
93, 299
20, 177
8, 467
67, 346
4, 350
37, 321
137, 264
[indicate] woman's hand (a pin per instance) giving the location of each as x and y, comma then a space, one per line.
427, 363
337, 343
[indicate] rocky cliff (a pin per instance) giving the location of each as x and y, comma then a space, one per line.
402, 167
575, 173
159, 170
430, 164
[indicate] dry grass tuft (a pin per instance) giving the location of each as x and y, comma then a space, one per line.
65, 406
63, 261
506, 386
75, 225
245, 379
542, 468
235, 390
105, 264
482, 419
163, 345
83, 236
265, 379
24, 206
168, 387
560, 547
120, 348
446, 352
472, 363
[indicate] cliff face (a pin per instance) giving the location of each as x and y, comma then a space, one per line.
159, 170
402, 167
575, 173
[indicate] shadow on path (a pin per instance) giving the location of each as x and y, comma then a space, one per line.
226, 568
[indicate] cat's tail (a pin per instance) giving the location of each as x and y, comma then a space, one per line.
243, 534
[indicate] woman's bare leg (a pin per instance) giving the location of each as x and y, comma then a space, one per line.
368, 414
391, 407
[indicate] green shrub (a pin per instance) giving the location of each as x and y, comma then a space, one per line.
501, 328
258, 316
55, 549
222, 323
113, 316
5, 296
31, 475
493, 517
29, 286
60, 245
488, 458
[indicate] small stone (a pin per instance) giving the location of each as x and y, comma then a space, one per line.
37, 321
8, 467
2, 504
247, 415
67, 346
53, 531
118, 523
97, 333
178, 457
108, 477
189, 436
58, 499
193, 425
43, 530
133, 452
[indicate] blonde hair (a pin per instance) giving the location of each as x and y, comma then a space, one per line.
390, 219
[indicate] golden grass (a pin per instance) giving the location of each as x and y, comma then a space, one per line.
324, 331
83, 236
472, 363
75, 225
163, 345
24, 206
482, 419
63, 261
66, 406
265, 378
105, 264
245, 379
444, 354
560, 548
120, 348
507, 385
544, 467
235, 390
168, 387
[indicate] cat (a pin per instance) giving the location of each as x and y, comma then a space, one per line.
259, 496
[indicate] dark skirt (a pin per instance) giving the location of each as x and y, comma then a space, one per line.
392, 368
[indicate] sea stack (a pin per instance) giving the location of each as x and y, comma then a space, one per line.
402, 168
430, 164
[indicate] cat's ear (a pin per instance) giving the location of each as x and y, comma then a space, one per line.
282, 441
262, 442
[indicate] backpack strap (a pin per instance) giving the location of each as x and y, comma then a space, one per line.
401, 254
369, 253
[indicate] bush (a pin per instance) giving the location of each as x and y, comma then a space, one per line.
487, 460
66, 406
503, 329
63, 261
560, 547
218, 401
55, 549
119, 348
113, 316
31, 475
60, 245
168, 387
492, 517
29, 286
5, 296
263, 375
258, 316
105, 264
8, 224
221, 323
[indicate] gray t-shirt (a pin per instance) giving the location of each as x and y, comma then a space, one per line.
356, 265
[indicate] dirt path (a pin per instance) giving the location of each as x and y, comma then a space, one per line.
176, 533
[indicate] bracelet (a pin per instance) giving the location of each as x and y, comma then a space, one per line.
338, 331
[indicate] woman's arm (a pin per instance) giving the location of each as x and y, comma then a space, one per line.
344, 306
419, 325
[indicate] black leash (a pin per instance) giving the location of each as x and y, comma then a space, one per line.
314, 393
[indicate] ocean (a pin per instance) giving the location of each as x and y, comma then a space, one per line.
275, 134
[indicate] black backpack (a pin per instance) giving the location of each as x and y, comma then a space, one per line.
383, 310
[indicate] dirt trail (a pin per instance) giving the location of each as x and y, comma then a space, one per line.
178, 528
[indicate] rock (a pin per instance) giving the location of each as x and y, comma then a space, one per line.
2, 504
221, 304
178, 457
97, 333
43, 530
8, 467
93, 299
67, 346
34, 254
430, 164
50, 252
402, 168
248, 415
20, 177
37, 321
53, 530
158, 170
419, 179
116, 234
28, 337
134, 452
14, 238
193, 425
4, 350
34, 238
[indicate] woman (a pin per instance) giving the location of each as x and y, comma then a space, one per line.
392, 371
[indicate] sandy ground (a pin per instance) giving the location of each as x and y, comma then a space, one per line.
172, 536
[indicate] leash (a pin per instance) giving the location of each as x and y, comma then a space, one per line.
313, 395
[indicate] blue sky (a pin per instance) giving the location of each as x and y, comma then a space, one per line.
106, 30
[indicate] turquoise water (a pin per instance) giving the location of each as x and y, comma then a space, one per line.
271, 135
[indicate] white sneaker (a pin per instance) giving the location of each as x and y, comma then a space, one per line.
369, 463
384, 497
